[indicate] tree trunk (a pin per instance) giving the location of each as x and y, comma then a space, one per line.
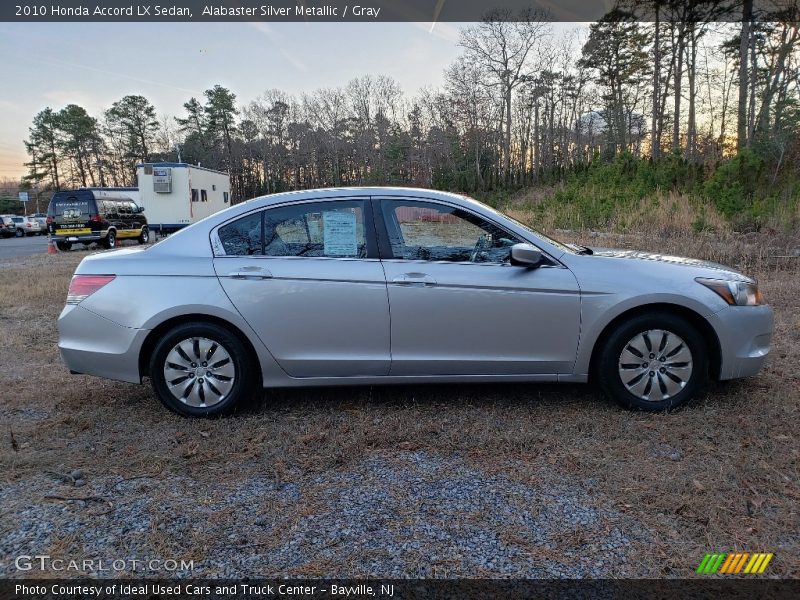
691, 132
677, 76
744, 44
787, 43
751, 110
507, 149
655, 145
536, 144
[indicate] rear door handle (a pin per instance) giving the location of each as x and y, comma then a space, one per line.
251, 273
419, 279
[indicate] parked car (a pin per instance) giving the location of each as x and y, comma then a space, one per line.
25, 226
390, 285
7, 226
42, 223
80, 216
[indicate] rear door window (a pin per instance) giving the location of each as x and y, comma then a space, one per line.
325, 229
71, 208
314, 230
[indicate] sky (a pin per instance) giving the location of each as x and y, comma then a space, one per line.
93, 65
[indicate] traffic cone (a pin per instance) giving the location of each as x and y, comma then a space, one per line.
118, 243
51, 247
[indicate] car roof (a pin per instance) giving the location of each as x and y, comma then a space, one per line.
333, 192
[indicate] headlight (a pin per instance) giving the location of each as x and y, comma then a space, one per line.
735, 293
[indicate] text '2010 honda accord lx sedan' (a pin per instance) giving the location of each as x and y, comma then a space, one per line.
389, 285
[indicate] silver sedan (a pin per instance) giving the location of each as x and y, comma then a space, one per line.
391, 285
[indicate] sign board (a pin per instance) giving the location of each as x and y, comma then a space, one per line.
23, 196
339, 234
162, 180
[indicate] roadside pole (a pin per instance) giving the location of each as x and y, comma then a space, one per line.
23, 197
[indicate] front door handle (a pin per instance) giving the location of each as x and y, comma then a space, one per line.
251, 273
420, 279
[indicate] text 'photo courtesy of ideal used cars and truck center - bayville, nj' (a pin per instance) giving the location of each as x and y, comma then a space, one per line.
421, 299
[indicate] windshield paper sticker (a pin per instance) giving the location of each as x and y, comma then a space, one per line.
340, 233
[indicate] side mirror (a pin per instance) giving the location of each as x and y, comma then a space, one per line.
141, 209
525, 255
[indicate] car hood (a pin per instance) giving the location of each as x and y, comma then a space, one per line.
729, 272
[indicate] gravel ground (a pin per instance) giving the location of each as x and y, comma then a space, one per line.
404, 514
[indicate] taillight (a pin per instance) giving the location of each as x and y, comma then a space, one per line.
96, 219
49, 220
83, 286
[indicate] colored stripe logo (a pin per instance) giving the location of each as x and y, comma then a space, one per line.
735, 563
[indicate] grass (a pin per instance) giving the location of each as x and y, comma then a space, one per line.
734, 487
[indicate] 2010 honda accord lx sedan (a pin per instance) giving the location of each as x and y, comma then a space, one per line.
390, 285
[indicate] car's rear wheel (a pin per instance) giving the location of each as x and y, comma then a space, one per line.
64, 246
111, 239
201, 370
144, 237
653, 362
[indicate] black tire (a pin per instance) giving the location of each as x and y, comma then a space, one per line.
144, 237
244, 378
111, 239
64, 246
609, 368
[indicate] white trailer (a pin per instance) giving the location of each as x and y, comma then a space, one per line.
175, 195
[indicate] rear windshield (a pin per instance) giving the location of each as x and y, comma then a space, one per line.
71, 206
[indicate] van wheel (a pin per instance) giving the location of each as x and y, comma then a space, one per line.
144, 237
111, 239
201, 370
64, 246
653, 362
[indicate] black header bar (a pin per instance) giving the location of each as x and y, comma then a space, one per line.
369, 11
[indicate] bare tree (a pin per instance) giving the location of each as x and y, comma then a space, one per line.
502, 44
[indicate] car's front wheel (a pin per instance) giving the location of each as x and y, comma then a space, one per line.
201, 370
653, 362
